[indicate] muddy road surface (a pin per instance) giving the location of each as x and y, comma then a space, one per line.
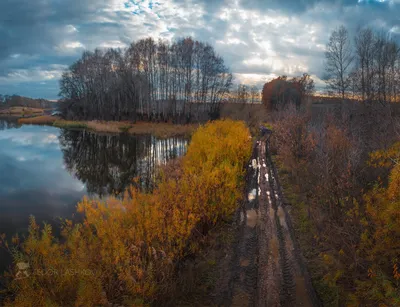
267, 268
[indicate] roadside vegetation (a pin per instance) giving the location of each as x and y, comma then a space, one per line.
345, 204
126, 250
339, 165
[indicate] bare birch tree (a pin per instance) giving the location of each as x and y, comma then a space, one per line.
339, 58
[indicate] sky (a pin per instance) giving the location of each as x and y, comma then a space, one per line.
258, 39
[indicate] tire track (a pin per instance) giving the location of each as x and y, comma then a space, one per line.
267, 268
244, 267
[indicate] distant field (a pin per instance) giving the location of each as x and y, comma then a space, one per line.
21, 111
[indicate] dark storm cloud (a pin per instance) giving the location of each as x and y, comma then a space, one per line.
39, 38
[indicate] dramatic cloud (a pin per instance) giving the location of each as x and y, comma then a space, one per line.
258, 39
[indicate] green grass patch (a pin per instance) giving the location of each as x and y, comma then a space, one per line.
70, 124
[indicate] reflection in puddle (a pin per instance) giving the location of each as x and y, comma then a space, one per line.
244, 262
251, 217
252, 195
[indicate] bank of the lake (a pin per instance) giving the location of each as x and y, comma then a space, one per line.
21, 111
160, 130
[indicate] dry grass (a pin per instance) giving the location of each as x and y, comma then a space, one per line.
51, 121
160, 130
163, 130
21, 111
39, 120
106, 126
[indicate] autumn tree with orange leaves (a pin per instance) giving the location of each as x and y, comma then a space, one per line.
280, 92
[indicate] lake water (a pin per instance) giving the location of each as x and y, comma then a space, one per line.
45, 171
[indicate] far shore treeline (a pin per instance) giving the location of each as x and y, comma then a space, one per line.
9, 101
183, 81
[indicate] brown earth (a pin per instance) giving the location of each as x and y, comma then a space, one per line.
267, 268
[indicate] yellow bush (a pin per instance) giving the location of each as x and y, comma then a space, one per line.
125, 249
380, 241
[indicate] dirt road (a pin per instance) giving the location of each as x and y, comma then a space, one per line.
267, 267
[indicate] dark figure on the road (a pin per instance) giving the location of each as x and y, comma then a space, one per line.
265, 132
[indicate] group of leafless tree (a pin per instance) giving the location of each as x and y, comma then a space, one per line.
183, 81
245, 94
366, 67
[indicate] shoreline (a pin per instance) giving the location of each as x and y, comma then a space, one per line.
22, 111
160, 130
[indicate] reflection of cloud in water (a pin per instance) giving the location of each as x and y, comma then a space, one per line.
51, 139
32, 139
37, 166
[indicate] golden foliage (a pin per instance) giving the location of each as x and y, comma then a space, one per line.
385, 158
125, 249
380, 241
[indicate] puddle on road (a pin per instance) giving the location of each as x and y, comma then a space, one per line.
251, 218
252, 195
244, 262
281, 216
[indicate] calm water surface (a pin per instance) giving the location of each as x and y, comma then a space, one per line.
45, 171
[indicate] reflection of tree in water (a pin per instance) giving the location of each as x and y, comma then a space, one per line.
8, 123
108, 163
